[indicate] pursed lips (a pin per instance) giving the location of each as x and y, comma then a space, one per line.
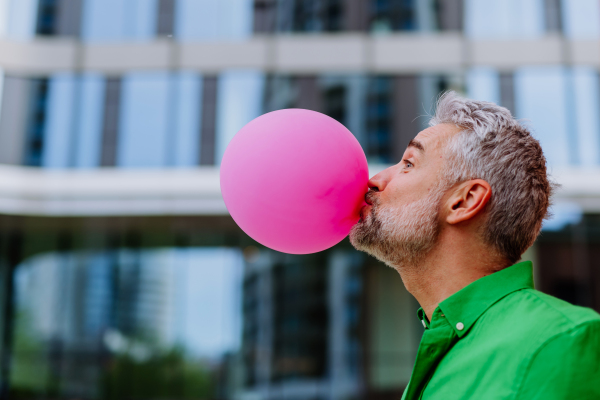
362, 210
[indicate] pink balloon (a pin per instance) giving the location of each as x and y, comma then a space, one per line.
294, 180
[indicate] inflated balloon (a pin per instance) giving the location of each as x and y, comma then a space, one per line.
294, 180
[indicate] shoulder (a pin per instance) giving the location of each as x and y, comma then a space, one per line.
532, 312
566, 313
568, 310
527, 319
558, 344
565, 365
560, 323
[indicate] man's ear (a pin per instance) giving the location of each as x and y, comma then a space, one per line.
468, 201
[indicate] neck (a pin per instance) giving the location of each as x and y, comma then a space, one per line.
455, 261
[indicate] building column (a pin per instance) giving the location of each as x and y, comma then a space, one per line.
16, 97
110, 123
165, 23
209, 120
405, 106
356, 15
11, 244
507, 91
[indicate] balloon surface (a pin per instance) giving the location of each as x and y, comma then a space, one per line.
294, 180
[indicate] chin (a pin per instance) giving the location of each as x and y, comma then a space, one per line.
398, 237
364, 234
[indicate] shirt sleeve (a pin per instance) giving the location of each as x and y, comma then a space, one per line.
565, 367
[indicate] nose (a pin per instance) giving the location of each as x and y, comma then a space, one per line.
378, 182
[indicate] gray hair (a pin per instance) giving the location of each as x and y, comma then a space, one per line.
495, 147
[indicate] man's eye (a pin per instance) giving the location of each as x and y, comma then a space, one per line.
408, 164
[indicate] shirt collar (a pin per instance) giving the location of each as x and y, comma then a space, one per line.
464, 307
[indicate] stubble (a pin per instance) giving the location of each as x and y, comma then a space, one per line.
399, 236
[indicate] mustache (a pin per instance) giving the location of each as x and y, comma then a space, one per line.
371, 197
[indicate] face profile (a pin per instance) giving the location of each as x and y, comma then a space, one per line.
401, 222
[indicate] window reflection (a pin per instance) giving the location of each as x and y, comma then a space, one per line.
239, 101
144, 120
540, 94
126, 322
580, 19
114, 20
213, 20
184, 119
512, 19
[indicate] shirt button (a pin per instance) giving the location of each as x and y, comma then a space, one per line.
460, 326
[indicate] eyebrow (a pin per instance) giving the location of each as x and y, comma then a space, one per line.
417, 145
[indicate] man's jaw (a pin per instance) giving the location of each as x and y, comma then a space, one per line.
399, 239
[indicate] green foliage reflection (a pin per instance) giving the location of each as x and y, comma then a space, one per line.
168, 375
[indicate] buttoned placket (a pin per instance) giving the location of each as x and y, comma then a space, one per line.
437, 340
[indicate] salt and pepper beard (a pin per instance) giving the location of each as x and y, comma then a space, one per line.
399, 236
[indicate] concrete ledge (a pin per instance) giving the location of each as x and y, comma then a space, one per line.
123, 57
38, 57
416, 53
216, 56
345, 52
110, 192
116, 192
585, 52
315, 53
516, 53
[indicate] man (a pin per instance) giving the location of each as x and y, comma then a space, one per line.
463, 205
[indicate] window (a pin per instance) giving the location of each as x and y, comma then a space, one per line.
117, 20
239, 101
213, 20
541, 97
36, 121
515, 19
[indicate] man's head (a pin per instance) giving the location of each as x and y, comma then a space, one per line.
476, 169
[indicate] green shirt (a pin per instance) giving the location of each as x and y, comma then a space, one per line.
499, 338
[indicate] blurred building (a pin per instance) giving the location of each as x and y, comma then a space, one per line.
114, 116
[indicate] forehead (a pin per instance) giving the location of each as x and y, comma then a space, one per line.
434, 138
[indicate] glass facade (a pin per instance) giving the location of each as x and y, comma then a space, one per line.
201, 20
584, 81
133, 307
213, 20
540, 94
35, 119
116, 20
512, 19
58, 127
580, 19
129, 20
239, 101
188, 306
144, 120
204, 311
185, 103
159, 119
484, 84
183, 119
89, 121
20, 18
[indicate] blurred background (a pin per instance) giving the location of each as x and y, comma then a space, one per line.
122, 275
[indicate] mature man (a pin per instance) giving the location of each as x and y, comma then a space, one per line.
463, 205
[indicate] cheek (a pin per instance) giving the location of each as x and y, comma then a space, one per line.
407, 190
